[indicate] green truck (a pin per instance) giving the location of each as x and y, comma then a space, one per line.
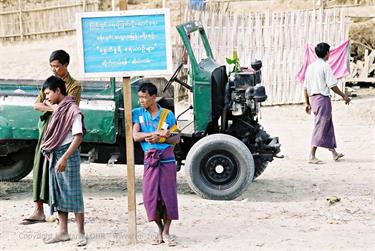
19, 123
223, 147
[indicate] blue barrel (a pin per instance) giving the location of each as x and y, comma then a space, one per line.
196, 4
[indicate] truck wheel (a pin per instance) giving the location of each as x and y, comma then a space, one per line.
16, 166
219, 167
259, 167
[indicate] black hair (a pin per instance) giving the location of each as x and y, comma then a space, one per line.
53, 83
60, 55
322, 49
148, 87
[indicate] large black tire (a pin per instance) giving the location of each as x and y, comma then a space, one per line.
16, 166
219, 167
259, 167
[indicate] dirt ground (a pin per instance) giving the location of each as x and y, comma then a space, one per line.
284, 209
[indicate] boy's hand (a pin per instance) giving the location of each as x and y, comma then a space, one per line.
164, 133
308, 109
47, 103
346, 99
61, 165
152, 138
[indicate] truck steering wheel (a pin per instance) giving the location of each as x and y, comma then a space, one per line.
175, 79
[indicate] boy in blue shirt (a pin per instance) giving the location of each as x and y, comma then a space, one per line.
155, 128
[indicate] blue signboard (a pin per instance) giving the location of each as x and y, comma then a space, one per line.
127, 43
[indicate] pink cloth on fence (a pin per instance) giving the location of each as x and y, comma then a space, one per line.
338, 60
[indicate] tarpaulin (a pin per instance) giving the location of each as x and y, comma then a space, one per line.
338, 60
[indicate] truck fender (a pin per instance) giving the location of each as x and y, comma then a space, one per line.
5, 129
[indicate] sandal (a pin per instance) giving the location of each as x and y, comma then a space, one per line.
82, 240
157, 240
170, 241
338, 156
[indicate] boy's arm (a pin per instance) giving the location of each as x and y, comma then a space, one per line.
307, 102
343, 95
172, 135
139, 136
61, 164
45, 107
75, 92
173, 139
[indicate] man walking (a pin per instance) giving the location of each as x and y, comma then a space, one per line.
318, 82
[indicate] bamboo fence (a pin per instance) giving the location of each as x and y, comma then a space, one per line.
278, 39
47, 18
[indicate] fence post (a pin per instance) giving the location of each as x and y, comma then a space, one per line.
20, 19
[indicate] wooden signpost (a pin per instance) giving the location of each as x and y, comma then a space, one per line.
125, 44
132, 212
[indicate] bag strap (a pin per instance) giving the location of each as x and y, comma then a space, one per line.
163, 116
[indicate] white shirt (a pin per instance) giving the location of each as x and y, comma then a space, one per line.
76, 129
319, 78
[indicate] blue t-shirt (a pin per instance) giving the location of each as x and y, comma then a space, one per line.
148, 124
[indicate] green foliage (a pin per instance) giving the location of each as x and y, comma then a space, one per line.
235, 61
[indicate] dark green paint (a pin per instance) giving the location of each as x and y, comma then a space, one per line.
200, 75
20, 122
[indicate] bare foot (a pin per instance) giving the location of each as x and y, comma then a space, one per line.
315, 161
34, 218
38, 215
157, 240
57, 238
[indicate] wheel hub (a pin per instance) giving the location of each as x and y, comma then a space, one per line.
219, 168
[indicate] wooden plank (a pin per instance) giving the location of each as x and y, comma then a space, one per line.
234, 40
344, 19
286, 57
362, 11
300, 53
242, 40
326, 34
20, 19
216, 25
250, 31
356, 80
290, 58
205, 20
246, 36
273, 64
5, 13
365, 70
219, 23
228, 38
123, 4
280, 58
41, 9
132, 215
